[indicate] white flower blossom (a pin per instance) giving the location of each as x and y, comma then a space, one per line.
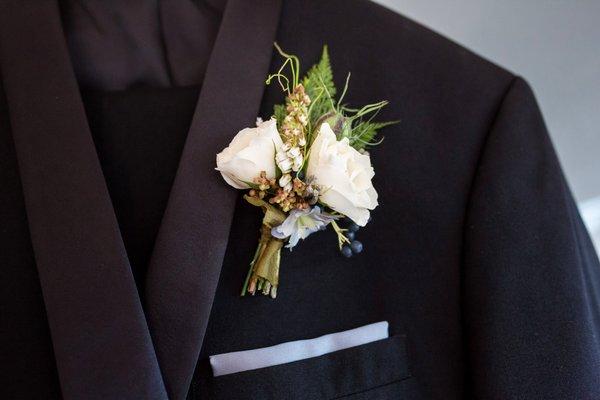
299, 224
284, 162
286, 182
344, 175
250, 152
289, 159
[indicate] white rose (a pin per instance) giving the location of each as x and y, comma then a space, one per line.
250, 152
344, 175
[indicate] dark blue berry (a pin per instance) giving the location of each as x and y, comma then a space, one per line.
353, 227
356, 246
350, 235
346, 251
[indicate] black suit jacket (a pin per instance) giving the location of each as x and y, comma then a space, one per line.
122, 251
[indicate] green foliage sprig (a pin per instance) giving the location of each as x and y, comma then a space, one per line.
356, 124
319, 85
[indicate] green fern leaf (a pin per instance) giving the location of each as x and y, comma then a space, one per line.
365, 133
320, 76
320, 87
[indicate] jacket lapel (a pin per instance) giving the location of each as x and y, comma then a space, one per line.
189, 249
100, 336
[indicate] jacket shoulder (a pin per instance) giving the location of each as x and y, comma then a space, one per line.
365, 36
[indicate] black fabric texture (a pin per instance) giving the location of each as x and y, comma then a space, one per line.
117, 45
531, 280
476, 256
139, 135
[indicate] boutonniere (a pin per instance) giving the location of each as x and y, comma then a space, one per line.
307, 167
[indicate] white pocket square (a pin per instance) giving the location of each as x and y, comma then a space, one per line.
239, 361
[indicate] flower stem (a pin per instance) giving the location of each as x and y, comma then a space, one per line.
340, 234
245, 287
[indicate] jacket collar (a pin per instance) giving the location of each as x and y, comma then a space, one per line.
105, 346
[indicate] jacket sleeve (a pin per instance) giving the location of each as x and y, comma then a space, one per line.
531, 292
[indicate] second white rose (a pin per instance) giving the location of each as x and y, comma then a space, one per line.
344, 174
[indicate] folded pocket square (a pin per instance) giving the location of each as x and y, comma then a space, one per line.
239, 361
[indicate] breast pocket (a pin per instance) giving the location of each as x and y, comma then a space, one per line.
377, 370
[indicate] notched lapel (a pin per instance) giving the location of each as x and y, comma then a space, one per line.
101, 340
186, 262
